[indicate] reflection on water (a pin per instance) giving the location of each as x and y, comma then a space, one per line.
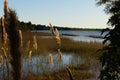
40, 64
82, 35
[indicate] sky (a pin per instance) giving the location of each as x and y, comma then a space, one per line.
67, 13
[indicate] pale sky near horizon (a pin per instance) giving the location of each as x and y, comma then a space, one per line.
67, 13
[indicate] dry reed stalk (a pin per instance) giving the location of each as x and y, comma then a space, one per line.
29, 57
55, 32
4, 34
21, 38
2, 67
57, 36
28, 45
50, 59
70, 73
60, 54
4, 52
52, 29
34, 43
7, 61
1, 60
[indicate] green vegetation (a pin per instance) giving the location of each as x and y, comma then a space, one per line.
110, 58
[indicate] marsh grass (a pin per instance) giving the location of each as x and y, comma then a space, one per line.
78, 73
49, 45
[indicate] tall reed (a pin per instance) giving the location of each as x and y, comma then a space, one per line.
52, 29
4, 34
5, 57
50, 59
70, 73
11, 24
29, 57
21, 38
60, 54
56, 34
1, 60
34, 42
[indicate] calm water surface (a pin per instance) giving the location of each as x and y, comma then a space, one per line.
40, 64
82, 35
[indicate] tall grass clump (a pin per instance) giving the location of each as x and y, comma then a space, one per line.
56, 34
11, 24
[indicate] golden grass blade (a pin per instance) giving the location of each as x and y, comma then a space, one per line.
60, 55
29, 56
4, 33
21, 38
57, 36
1, 60
70, 73
50, 59
52, 29
4, 52
34, 43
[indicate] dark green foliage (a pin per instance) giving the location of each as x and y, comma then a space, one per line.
11, 23
110, 58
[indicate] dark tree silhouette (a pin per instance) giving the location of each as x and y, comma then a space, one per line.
110, 58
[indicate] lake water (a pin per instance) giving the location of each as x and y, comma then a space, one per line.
40, 64
82, 35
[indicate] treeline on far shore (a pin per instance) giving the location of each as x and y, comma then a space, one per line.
28, 26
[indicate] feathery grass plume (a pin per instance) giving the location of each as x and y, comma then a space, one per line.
50, 59
28, 45
70, 73
34, 43
21, 38
11, 23
60, 54
4, 34
57, 36
52, 29
29, 56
